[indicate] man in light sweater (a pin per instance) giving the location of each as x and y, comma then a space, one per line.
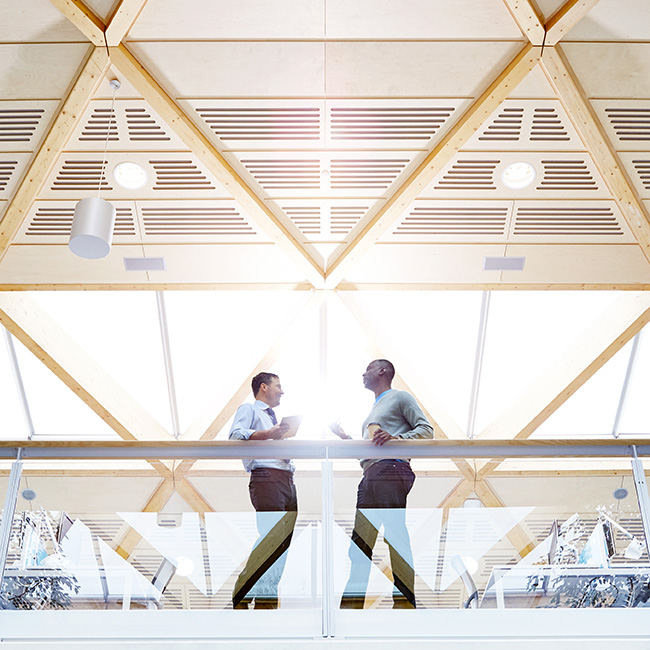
273, 495
381, 496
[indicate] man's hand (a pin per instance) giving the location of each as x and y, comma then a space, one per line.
381, 437
274, 433
337, 429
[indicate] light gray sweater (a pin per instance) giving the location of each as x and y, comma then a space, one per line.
398, 413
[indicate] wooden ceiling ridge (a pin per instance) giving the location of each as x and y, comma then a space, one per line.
277, 226
370, 229
578, 108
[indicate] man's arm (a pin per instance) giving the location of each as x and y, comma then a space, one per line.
420, 427
241, 428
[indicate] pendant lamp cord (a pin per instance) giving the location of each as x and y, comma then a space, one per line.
115, 85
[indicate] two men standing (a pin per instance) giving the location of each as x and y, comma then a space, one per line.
381, 496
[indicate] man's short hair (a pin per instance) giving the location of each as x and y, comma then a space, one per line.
262, 378
388, 366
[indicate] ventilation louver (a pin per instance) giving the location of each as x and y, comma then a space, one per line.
81, 175
567, 174
182, 221
281, 123
469, 175
143, 128
463, 221
19, 124
7, 168
630, 124
387, 123
368, 174
101, 125
179, 175
274, 174
344, 217
506, 126
642, 167
581, 221
306, 218
57, 221
547, 126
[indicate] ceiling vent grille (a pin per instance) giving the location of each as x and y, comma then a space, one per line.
19, 124
505, 127
643, 170
343, 218
179, 175
547, 126
432, 220
194, 221
387, 123
81, 175
7, 168
143, 128
239, 123
101, 125
285, 174
630, 124
469, 175
306, 218
567, 175
365, 174
57, 221
564, 221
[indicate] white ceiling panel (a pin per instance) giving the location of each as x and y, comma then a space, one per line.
230, 19
47, 264
326, 174
463, 263
516, 222
638, 168
395, 263
131, 125
420, 19
252, 69
49, 222
627, 122
325, 219
548, 7
18, 24
613, 20
12, 168
23, 124
260, 124
616, 70
417, 69
534, 86
224, 264
169, 174
527, 124
216, 221
102, 8
39, 71
606, 264
559, 175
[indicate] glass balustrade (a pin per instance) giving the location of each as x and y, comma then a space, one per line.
520, 532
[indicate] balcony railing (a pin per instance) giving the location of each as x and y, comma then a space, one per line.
162, 535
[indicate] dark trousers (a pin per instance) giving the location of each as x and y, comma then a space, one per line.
273, 495
381, 501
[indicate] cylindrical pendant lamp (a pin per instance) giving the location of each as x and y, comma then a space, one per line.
92, 228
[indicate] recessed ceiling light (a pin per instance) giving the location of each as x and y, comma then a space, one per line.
130, 175
518, 175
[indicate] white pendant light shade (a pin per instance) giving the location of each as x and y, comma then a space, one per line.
92, 228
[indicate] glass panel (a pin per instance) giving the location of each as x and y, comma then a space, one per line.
636, 414
13, 423
81, 541
534, 533
526, 332
120, 330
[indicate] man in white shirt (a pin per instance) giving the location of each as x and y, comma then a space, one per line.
272, 493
